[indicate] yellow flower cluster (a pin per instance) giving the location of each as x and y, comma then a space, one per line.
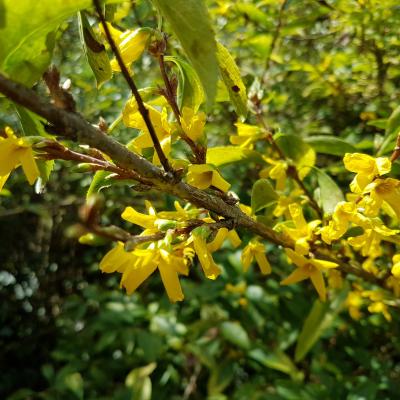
171, 255
358, 298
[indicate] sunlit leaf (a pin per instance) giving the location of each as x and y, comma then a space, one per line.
221, 155
190, 91
262, 195
28, 32
329, 191
330, 145
191, 24
231, 77
95, 51
235, 333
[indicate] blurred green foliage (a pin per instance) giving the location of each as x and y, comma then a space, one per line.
330, 69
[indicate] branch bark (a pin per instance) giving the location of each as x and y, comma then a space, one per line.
74, 127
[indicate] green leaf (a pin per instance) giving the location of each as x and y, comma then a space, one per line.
100, 181
321, 317
191, 24
330, 145
28, 33
330, 193
302, 154
95, 51
139, 382
220, 378
31, 123
253, 13
276, 360
74, 383
234, 332
231, 76
262, 195
315, 324
391, 133
221, 155
190, 91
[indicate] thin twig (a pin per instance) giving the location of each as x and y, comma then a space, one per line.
198, 150
54, 150
141, 107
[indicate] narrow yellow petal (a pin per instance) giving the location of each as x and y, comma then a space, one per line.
143, 220
170, 280
318, 281
3, 180
321, 264
114, 259
8, 157
29, 166
219, 182
247, 257
297, 259
263, 263
299, 274
211, 270
234, 238
218, 240
134, 277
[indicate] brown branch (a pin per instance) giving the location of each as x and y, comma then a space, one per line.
74, 127
54, 150
141, 107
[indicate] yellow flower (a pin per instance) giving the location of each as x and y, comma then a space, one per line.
247, 135
282, 207
354, 302
133, 119
394, 283
211, 270
380, 308
220, 237
146, 221
366, 167
368, 243
344, 214
240, 288
256, 250
335, 279
193, 124
383, 190
131, 44
396, 266
136, 266
16, 151
308, 268
377, 303
277, 172
303, 232
203, 176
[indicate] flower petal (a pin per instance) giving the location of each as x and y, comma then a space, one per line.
299, 274
318, 281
